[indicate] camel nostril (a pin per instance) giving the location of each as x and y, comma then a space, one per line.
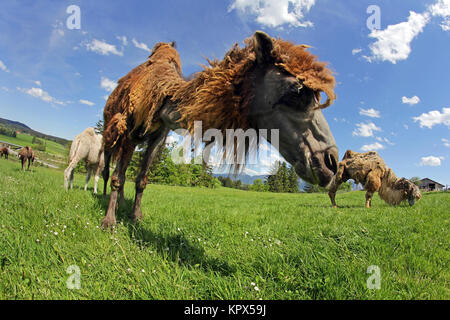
330, 162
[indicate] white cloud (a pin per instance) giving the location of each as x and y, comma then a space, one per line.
370, 113
87, 102
123, 39
274, 14
3, 66
393, 44
431, 161
442, 9
433, 118
372, 147
41, 94
411, 101
446, 142
103, 48
141, 45
5, 89
356, 51
365, 129
108, 84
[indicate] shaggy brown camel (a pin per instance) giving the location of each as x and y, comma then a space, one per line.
86, 146
4, 151
26, 154
370, 170
268, 84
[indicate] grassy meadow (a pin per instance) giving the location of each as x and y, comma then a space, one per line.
216, 244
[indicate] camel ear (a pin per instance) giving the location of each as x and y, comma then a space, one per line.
263, 47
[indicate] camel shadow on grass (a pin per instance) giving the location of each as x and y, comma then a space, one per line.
173, 247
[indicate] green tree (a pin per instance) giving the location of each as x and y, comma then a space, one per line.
415, 180
292, 180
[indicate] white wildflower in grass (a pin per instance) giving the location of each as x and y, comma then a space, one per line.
143, 271
55, 233
37, 240
256, 288
178, 229
253, 284
167, 249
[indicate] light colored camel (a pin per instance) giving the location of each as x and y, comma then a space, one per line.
86, 146
370, 170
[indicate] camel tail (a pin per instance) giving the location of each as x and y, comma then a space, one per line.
74, 149
114, 133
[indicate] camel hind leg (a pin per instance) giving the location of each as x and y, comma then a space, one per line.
68, 174
117, 182
105, 172
156, 141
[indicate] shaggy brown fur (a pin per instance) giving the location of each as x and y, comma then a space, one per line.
26, 154
370, 170
217, 96
4, 151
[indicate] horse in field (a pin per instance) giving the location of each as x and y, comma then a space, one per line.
4, 151
269, 84
26, 154
86, 146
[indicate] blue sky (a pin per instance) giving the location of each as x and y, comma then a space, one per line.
393, 82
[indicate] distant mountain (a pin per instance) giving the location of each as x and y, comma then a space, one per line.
245, 178
14, 124
18, 126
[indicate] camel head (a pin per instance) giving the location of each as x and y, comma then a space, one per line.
283, 101
411, 191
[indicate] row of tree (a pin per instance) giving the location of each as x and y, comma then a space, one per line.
7, 131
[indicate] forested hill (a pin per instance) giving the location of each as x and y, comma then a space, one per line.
18, 126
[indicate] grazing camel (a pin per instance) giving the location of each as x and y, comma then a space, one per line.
86, 146
268, 84
370, 170
4, 151
26, 154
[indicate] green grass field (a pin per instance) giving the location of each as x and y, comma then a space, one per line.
216, 244
25, 140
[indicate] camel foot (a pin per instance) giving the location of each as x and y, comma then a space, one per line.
108, 223
136, 216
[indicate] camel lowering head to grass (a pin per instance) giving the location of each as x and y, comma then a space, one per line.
370, 170
86, 146
26, 154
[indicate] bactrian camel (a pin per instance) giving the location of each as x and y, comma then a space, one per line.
268, 84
